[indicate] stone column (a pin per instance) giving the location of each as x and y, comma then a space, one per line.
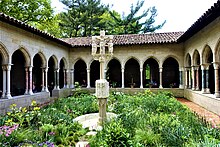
66, 79
216, 68
181, 77
43, 77
4, 69
193, 78
186, 78
122, 78
189, 77
205, 78
88, 78
161, 77
26, 80
72, 78
30, 81
8, 74
141, 74
46, 80
58, 79
197, 77
55, 79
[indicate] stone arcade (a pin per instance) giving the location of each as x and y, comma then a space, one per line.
36, 65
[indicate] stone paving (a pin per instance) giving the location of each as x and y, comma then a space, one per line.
213, 118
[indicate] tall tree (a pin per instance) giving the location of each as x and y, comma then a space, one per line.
28, 11
133, 23
82, 17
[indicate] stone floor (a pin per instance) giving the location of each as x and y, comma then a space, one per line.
213, 118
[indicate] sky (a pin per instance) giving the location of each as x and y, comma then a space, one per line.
179, 14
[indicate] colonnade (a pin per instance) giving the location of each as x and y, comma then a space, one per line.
192, 78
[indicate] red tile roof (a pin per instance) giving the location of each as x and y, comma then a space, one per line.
24, 26
129, 39
152, 38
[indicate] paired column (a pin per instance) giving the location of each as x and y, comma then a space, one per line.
196, 78
122, 78
205, 78
161, 77
6, 93
193, 78
216, 68
56, 79
44, 79
181, 77
187, 78
65, 71
4, 90
28, 78
72, 78
88, 78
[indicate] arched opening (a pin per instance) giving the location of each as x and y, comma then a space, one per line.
37, 73
211, 85
1, 76
51, 78
170, 73
113, 74
132, 73
188, 73
80, 74
18, 74
94, 72
61, 73
208, 59
198, 74
151, 73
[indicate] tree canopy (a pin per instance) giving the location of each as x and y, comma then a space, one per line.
81, 17
28, 11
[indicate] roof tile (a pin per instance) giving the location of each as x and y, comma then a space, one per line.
130, 39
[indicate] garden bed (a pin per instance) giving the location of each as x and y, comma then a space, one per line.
144, 119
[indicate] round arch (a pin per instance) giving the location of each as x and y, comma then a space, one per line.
206, 53
80, 73
132, 57
170, 74
55, 61
63, 59
113, 74
217, 51
18, 74
132, 73
43, 59
52, 65
188, 60
94, 72
196, 58
38, 64
26, 55
75, 61
4, 53
151, 57
151, 73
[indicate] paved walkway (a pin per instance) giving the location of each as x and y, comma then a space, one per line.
209, 116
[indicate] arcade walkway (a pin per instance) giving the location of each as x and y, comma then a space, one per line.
213, 118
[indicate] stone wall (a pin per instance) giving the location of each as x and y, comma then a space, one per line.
24, 101
208, 101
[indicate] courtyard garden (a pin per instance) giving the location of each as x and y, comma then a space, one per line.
143, 119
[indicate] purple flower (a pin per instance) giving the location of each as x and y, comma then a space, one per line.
51, 133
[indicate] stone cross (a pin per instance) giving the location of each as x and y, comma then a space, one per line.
102, 50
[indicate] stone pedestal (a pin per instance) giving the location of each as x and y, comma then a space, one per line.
102, 93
